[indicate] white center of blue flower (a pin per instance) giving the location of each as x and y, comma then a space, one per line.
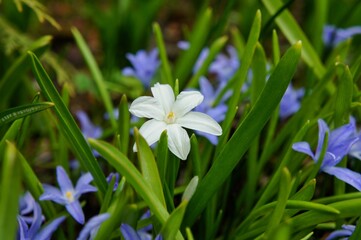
69, 195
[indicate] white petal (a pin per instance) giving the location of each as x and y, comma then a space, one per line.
147, 107
186, 101
164, 95
151, 131
200, 122
178, 141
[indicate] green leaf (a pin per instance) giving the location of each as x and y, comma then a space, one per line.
97, 75
197, 42
190, 189
275, 48
126, 168
165, 67
317, 208
15, 113
68, 125
268, 191
11, 134
34, 186
149, 167
10, 193
284, 191
162, 155
347, 209
115, 210
13, 75
171, 227
343, 96
249, 128
294, 33
195, 157
124, 124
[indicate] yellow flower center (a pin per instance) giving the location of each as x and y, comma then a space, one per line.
170, 118
69, 196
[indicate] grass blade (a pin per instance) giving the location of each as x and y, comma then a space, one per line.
68, 125
10, 192
97, 75
13, 114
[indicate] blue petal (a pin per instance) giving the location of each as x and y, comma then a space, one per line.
75, 210
83, 186
322, 129
355, 150
206, 88
88, 129
303, 147
26, 204
128, 232
158, 237
339, 233
37, 219
48, 230
346, 175
53, 194
23, 229
92, 226
63, 180
341, 140
218, 113
212, 138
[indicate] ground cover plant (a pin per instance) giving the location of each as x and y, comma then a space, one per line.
180, 119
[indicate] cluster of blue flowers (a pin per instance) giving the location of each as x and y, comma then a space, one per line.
30, 216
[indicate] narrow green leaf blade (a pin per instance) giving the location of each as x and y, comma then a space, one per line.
124, 124
10, 192
165, 67
97, 75
343, 96
197, 41
68, 125
15, 113
171, 227
126, 168
13, 75
294, 33
149, 166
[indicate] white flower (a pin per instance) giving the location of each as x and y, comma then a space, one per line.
167, 113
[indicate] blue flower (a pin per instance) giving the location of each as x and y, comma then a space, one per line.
333, 36
30, 227
91, 228
68, 195
202, 56
88, 129
225, 66
116, 183
345, 232
339, 144
145, 64
290, 102
218, 112
129, 233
